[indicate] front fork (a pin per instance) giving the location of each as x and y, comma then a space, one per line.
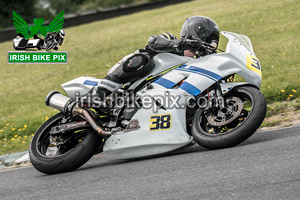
215, 97
219, 95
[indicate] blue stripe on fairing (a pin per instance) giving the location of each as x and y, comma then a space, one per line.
186, 70
200, 71
88, 82
165, 83
189, 88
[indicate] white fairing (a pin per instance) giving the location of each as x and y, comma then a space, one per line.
33, 43
81, 85
145, 142
17, 41
200, 74
203, 72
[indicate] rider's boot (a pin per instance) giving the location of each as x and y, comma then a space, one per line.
98, 97
95, 98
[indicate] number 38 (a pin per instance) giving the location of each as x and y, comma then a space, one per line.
160, 122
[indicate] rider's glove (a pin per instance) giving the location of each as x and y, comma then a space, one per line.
190, 43
203, 51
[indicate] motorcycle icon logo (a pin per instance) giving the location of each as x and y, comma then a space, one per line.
53, 34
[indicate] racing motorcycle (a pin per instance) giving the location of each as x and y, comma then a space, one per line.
195, 101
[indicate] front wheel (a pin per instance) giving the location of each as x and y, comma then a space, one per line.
244, 111
74, 149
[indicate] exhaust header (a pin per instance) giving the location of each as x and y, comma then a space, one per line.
67, 105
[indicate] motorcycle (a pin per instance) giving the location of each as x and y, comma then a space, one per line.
52, 40
192, 101
20, 43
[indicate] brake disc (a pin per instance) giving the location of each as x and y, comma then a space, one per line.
228, 114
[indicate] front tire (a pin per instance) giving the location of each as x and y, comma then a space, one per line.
65, 161
237, 131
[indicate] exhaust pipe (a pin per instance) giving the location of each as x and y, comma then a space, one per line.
67, 105
76, 110
58, 101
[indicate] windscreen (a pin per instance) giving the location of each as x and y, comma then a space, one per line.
244, 40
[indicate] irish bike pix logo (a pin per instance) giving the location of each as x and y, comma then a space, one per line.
31, 39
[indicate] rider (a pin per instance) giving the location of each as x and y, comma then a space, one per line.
138, 64
54, 39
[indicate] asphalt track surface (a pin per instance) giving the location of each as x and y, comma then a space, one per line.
266, 166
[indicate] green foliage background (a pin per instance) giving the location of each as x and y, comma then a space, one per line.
93, 48
48, 9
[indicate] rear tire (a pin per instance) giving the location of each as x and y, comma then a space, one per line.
68, 161
241, 132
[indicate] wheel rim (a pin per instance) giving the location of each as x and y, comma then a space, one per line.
237, 110
48, 149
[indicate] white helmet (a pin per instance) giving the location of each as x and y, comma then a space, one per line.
62, 33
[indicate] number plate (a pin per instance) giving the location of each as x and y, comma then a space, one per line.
253, 64
160, 122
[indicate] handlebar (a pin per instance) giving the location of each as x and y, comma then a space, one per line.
212, 45
203, 48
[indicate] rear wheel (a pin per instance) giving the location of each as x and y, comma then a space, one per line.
244, 111
50, 156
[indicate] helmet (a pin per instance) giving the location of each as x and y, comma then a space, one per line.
62, 33
201, 27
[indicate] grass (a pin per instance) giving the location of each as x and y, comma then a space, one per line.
14, 139
93, 48
281, 107
274, 122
